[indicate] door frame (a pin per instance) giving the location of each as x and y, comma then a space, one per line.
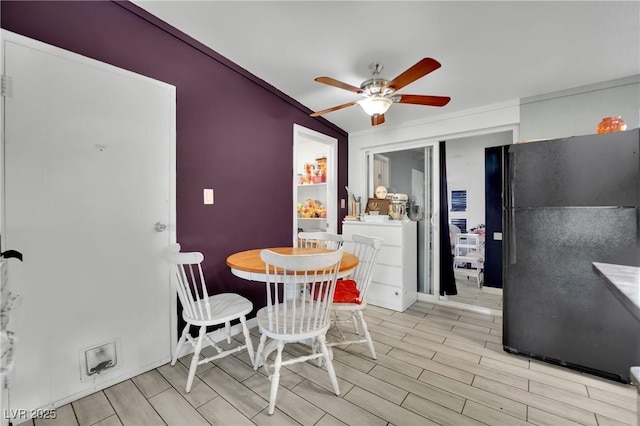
301, 135
434, 177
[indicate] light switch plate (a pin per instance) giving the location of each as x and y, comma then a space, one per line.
208, 196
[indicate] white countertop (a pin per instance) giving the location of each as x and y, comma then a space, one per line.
624, 282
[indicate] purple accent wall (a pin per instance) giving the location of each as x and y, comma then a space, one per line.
234, 131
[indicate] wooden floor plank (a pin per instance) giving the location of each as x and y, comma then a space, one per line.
487, 415
177, 376
151, 383
584, 402
131, 406
175, 410
244, 399
288, 402
424, 390
64, 416
437, 413
482, 396
93, 408
219, 412
384, 409
543, 418
549, 405
337, 407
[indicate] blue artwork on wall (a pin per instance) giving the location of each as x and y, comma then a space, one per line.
459, 200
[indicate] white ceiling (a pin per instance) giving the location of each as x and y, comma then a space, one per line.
490, 51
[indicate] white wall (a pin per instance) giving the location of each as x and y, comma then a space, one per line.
578, 111
465, 170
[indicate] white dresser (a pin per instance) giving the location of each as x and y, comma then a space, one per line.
395, 280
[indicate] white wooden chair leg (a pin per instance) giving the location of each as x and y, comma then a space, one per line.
365, 331
258, 359
247, 339
275, 378
355, 322
227, 328
195, 359
327, 360
183, 338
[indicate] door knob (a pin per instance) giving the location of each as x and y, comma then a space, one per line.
160, 227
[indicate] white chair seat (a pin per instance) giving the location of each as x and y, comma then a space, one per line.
224, 307
340, 306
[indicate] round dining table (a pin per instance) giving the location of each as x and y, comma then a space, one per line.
248, 265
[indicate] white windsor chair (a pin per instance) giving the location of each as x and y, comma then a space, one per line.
299, 297
201, 310
367, 249
319, 239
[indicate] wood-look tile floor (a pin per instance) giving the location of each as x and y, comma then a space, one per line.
436, 365
470, 294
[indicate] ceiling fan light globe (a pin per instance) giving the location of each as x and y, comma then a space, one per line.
375, 105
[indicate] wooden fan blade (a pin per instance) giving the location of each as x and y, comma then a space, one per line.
377, 119
422, 68
424, 100
333, 82
335, 108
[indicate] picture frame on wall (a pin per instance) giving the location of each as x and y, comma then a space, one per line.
459, 200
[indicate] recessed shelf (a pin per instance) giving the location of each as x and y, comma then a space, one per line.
302, 185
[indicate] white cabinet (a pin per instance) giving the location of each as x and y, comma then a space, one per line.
395, 280
469, 256
315, 180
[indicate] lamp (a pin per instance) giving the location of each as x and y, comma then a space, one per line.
375, 104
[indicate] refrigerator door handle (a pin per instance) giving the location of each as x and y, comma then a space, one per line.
511, 241
510, 210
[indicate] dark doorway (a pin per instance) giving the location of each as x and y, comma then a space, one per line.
494, 169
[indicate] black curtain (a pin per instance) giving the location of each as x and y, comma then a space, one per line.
447, 278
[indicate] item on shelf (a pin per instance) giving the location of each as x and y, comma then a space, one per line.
314, 173
321, 161
381, 192
378, 205
311, 209
398, 206
413, 210
611, 124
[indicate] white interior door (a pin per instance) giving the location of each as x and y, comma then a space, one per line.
89, 164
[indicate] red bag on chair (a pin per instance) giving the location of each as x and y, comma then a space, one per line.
346, 292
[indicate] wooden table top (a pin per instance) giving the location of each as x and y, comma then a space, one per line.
249, 260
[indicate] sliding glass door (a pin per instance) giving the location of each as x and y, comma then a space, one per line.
414, 170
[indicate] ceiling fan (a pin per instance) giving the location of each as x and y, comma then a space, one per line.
379, 93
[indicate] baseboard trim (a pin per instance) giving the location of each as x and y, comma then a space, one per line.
470, 308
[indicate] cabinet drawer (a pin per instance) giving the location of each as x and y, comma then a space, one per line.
384, 296
388, 275
391, 234
390, 256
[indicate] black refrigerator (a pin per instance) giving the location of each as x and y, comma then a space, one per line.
567, 203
